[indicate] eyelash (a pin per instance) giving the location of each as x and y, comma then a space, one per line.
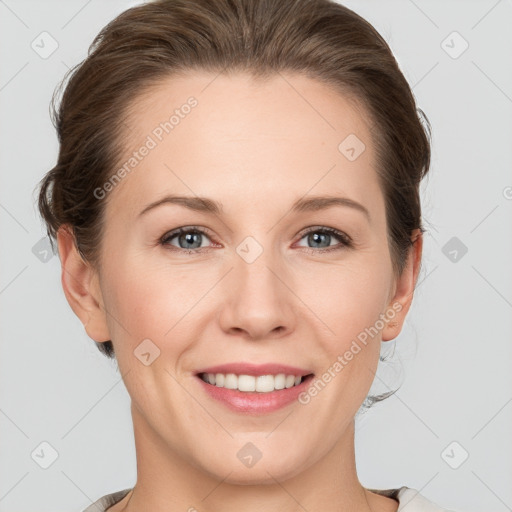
346, 241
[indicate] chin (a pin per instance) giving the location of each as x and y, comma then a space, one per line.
260, 474
261, 470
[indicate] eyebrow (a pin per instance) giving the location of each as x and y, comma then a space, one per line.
307, 204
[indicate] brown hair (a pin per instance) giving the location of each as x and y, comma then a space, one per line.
145, 44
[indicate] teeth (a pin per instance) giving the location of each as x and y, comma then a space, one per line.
249, 383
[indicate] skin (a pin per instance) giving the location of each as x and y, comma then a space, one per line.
256, 147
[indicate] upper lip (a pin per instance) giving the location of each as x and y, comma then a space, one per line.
255, 369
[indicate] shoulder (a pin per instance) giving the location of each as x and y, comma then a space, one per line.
107, 501
411, 499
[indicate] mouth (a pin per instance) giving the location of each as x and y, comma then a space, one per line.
254, 395
254, 389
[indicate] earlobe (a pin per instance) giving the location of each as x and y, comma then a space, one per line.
81, 287
402, 299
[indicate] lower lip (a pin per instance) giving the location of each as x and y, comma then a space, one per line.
255, 402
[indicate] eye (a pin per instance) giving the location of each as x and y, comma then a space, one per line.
321, 238
188, 239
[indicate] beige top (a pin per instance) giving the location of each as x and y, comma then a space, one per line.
406, 497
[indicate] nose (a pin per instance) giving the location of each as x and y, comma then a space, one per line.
258, 302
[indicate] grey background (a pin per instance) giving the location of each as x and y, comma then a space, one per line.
453, 356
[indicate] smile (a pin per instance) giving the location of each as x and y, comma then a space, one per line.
270, 398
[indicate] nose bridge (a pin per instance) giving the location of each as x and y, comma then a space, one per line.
259, 302
254, 269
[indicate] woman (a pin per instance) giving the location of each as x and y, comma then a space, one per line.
236, 208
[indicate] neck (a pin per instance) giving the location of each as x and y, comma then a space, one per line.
166, 481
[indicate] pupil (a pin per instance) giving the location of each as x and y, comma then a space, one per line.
316, 236
189, 239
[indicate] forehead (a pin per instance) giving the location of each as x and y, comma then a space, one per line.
230, 135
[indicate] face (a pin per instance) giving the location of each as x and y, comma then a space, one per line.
259, 280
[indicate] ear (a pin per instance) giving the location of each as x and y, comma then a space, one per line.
81, 287
404, 290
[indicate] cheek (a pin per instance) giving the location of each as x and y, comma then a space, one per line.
352, 309
153, 302
347, 297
